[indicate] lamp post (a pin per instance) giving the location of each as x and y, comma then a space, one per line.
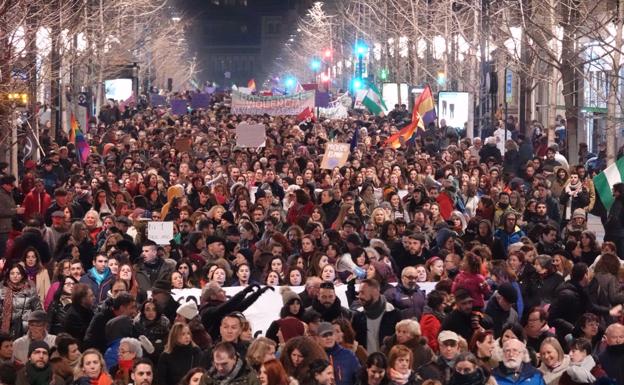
360, 51
315, 66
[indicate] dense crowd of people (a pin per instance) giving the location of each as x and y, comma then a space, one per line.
524, 292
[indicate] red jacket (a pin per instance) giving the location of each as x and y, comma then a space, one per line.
474, 283
446, 203
430, 327
36, 203
297, 211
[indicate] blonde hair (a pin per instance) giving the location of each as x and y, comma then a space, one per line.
172, 340
78, 370
411, 325
258, 350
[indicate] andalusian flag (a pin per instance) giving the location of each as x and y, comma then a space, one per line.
80, 142
604, 181
374, 101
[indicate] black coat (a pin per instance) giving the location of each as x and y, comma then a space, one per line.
94, 337
77, 321
173, 366
31, 237
57, 312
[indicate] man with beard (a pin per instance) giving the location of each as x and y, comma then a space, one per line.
508, 234
539, 220
152, 268
612, 358
376, 319
407, 296
227, 368
51, 234
328, 305
411, 251
513, 369
501, 207
38, 370
462, 320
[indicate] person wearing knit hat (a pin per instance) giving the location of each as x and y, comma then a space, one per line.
188, 310
37, 370
289, 327
288, 296
500, 307
292, 308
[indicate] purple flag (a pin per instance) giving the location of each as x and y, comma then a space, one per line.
178, 107
157, 100
321, 99
200, 101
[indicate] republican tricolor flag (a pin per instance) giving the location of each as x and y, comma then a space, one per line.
80, 142
423, 113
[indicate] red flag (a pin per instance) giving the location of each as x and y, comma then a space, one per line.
306, 114
251, 84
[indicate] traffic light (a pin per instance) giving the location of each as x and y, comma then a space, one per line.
441, 78
383, 74
315, 65
327, 54
290, 82
357, 84
360, 49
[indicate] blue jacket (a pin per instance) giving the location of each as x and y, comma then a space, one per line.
100, 291
111, 355
507, 239
529, 375
346, 365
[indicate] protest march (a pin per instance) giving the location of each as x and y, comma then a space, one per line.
223, 237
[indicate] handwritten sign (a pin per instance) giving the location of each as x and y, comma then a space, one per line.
160, 232
250, 135
336, 155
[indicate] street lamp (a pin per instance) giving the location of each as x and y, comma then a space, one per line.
315, 65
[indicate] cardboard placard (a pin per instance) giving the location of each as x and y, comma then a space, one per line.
183, 144
160, 232
250, 135
336, 155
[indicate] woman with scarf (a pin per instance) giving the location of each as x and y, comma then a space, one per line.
583, 368
151, 323
574, 196
129, 350
37, 274
468, 372
91, 369
19, 299
400, 364
554, 361
61, 303
482, 346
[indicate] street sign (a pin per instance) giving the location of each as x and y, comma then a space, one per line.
509, 86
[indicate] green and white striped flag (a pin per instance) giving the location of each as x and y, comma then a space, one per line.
606, 179
374, 101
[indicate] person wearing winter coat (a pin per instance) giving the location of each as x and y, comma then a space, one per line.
612, 358
554, 361
151, 323
604, 288
37, 201
180, 355
99, 278
8, 210
400, 367
57, 311
229, 368
467, 371
80, 313
18, 299
408, 334
583, 368
470, 279
510, 233
513, 370
500, 307
614, 226
432, 318
407, 296
574, 196
374, 321
346, 364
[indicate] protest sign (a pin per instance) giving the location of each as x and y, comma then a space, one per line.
250, 135
267, 308
183, 144
157, 100
336, 155
271, 105
160, 232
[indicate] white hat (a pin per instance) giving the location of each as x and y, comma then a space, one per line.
447, 335
188, 310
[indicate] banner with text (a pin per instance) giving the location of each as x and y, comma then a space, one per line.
336, 155
267, 308
272, 105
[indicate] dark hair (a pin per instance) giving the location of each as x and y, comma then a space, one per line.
516, 329
327, 285
122, 299
4, 338
348, 334
157, 308
142, 361
578, 271
61, 281
608, 263
479, 336
18, 266
371, 282
581, 344
63, 342
435, 298
318, 366
79, 293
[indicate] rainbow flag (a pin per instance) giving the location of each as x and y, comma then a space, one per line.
80, 142
423, 113
251, 84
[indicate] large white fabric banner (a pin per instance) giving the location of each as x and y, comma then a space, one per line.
272, 105
267, 308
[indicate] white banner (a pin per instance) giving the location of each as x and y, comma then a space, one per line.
271, 105
267, 308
